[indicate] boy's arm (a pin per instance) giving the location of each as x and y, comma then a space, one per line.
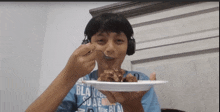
80, 63
51, 98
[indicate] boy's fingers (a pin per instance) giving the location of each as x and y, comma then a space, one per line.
91, 64
85, 49
90, 56
153, 76
119, 97
109, 96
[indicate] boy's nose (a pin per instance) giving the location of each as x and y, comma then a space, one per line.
110, 49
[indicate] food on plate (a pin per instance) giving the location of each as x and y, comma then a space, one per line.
130, 78
116, 76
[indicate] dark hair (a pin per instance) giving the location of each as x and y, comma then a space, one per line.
108, 22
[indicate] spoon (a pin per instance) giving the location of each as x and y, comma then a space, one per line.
105, 56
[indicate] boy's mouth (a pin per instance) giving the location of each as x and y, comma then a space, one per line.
107, 57
110, 59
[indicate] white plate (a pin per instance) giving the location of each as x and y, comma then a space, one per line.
141, 85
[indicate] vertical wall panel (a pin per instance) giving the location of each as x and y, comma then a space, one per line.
182, 48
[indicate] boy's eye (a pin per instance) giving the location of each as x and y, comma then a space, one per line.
120, 41
101, 41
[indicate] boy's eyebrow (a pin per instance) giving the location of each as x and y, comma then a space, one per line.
106, 33
101, 33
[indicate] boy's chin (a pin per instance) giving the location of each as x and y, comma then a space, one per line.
107, 66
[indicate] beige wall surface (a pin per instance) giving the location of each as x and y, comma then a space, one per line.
181, 45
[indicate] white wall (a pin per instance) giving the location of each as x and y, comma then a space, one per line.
36, 40
22, 30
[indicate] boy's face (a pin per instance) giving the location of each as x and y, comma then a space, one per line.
111, 44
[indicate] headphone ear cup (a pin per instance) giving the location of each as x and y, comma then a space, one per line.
131, 47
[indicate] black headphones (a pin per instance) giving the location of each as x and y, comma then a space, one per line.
131, 44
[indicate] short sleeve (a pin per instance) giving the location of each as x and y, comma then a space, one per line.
149, 100
69, 102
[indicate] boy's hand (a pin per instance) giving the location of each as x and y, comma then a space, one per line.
82, 60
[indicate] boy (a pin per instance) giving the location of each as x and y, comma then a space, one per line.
108, 35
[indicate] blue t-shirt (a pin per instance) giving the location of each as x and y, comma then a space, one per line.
95, 101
